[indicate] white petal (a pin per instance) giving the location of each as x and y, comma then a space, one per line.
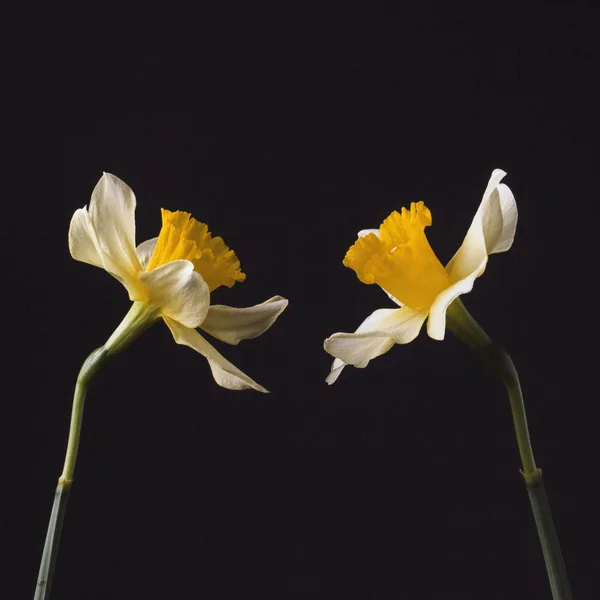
226, 374
403, 324
492, 230
145, 250
231, 325
83, 244
375, 336
393, 299
112, 213
179, 291
336, 369
508, 207
436, 323
366, 232
358, 348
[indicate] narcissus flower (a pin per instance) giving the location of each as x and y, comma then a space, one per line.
399, 259
170, 277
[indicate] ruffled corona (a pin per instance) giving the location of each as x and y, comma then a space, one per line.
169, 277
400, 259
184, 238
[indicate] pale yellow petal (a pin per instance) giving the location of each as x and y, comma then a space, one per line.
436, 323
358, 349
492, 230
337, 366
374, 337
231, 325
85, 247
145, 250
178, 291
83, 243
112, 214
225, 373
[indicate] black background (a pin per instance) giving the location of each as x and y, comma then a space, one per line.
287, 130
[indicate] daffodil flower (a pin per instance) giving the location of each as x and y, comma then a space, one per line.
399, 259
170, 277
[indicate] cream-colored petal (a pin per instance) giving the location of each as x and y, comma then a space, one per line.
403, 324
358, 349
375, 336
231, 325
366, 232
112, 214
393, 299
503, 239
145, 250
83, 244
179, 291
436, 323
336, 370
225, 373
492, 230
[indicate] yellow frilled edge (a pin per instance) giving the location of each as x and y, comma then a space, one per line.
184, 238
399, 259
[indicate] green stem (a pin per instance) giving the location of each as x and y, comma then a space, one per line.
48, 563
501, 364
50, 552
90, 367
140, 316
464, 326
557, 573
498, 360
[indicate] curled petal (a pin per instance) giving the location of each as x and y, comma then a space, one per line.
112, 214
231, 325
83, 244
225, 373
492, 230
358, 348
375, 336
436, 323
402, 324
337, 366
145, 250
178, 291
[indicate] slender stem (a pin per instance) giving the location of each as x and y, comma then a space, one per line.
557, 572
140, 316
50, 552
501, 364
48, 563
464, 326
90, 367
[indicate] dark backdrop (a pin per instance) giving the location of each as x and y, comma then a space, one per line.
287, 130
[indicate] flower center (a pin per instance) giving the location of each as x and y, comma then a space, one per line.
183, 238
400, 259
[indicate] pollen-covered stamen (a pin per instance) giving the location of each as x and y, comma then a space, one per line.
184, 238
400, 259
